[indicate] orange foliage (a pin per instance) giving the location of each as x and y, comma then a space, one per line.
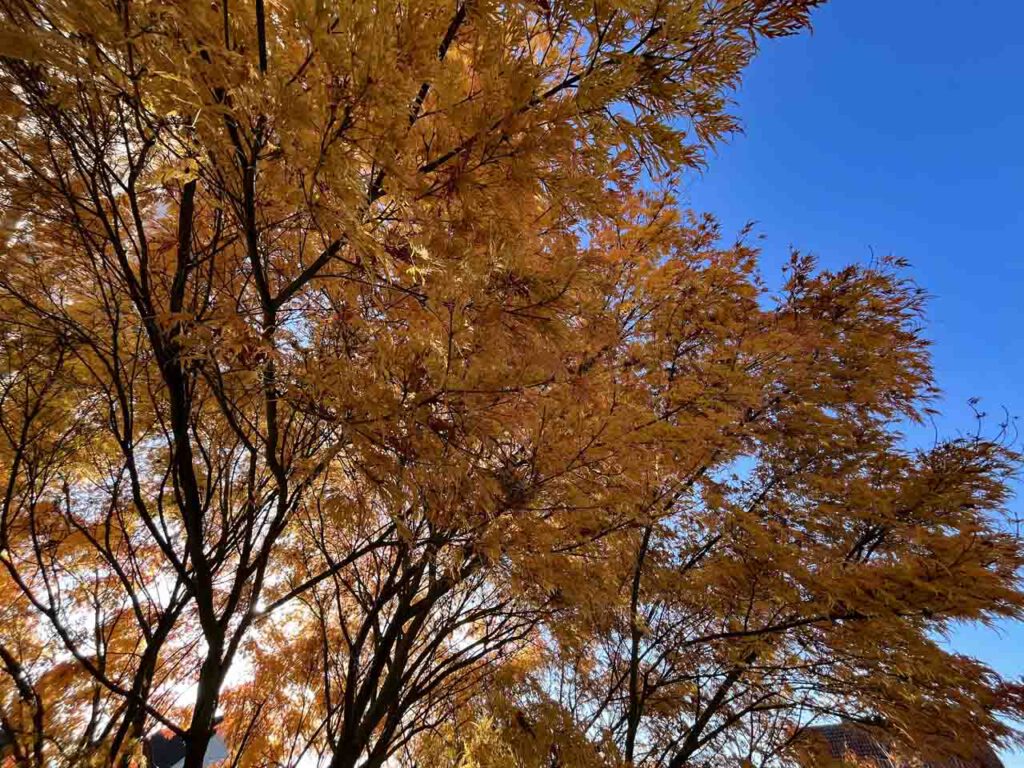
360, 378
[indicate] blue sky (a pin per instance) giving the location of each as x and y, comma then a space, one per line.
898, 126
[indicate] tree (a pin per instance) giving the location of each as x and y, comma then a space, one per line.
362, 379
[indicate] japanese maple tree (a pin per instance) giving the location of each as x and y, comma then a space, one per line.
363, 383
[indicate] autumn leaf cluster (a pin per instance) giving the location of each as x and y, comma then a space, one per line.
367, 397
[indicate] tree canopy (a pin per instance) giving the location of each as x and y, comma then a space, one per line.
363, 383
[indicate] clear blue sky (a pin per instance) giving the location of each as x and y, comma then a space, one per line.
898, 125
